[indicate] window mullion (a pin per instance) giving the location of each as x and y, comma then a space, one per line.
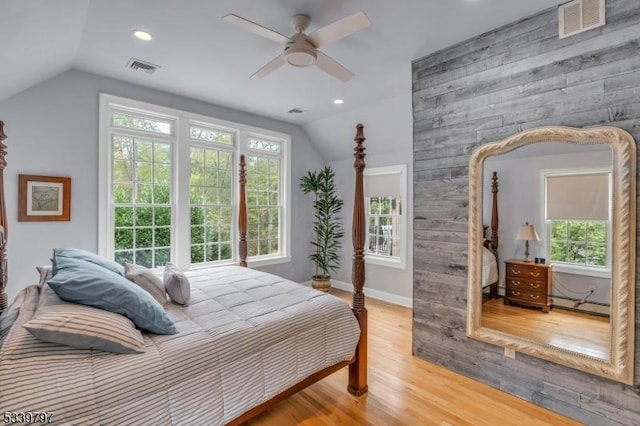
181, 223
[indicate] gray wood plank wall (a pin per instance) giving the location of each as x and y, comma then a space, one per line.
510, 79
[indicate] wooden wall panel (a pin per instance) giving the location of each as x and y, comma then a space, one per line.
510, 79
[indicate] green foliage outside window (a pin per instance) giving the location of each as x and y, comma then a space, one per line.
210, 185
142, 197
142, 184
263, 205
579, 242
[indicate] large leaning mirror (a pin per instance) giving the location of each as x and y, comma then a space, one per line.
552, 247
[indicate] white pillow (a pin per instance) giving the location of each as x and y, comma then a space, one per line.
177, 284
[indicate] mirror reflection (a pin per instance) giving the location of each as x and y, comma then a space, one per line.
549, 278
553, 210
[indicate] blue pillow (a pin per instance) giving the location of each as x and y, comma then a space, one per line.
87, 256
81, 281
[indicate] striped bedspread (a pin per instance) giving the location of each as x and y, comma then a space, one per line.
244, 337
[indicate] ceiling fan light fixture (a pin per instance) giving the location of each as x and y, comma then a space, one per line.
142, 35
300, 57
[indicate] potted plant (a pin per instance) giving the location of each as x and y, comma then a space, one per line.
327, 226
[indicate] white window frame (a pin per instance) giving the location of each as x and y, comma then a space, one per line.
575, 269
399, 262
180, 203
284, 171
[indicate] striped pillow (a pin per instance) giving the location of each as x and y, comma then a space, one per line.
148, 280
9, 315
84, 327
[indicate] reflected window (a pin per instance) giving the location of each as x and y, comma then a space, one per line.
579, 242
577, 212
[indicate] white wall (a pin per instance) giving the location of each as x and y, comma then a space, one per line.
52, 129
520, 200
389, 131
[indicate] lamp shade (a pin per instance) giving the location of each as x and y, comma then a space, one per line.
527, 233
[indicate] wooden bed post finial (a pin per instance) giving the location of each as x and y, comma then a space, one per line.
358, 231
3, 223
358, 369
242, 216
494, 213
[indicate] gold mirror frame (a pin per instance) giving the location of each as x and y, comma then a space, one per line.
621, 363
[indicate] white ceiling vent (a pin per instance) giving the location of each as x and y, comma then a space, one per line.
580, 15
138, 65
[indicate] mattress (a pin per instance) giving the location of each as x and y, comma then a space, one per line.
489, 268
244, 337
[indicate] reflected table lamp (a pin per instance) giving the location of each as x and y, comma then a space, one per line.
527, 233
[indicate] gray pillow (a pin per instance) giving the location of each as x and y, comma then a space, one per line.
177, 284
86, 256
84, 327
148, 280
45, 272
80, 281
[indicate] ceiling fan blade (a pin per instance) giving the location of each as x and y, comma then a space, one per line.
256, 28
330, 66
273, 65
339, 29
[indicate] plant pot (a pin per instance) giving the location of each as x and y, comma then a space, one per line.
321, 282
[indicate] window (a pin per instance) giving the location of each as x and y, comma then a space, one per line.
210, 194
169, 192
577, 211
385, 196
264, 207
141, 189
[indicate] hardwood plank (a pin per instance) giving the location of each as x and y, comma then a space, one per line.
573, 331
403, 389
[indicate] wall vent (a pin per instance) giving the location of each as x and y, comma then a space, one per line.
580, 15
138, 65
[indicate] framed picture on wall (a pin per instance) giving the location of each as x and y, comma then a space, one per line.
44, 198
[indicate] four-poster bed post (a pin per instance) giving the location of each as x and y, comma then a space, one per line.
242, 214
358, 370
492, 242
3, 224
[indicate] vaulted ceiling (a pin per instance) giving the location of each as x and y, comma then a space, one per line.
204, 57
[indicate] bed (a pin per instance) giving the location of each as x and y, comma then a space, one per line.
246, 340
490, 270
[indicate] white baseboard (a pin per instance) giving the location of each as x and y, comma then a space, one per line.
407, 302
586, 307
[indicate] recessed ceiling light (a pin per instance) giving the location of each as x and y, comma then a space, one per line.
338, 101
142, 35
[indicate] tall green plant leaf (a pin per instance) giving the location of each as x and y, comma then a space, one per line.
327, 226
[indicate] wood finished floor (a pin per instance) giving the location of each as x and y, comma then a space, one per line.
562, 328
404, 390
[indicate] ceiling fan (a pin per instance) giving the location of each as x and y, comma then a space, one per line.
301, 50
